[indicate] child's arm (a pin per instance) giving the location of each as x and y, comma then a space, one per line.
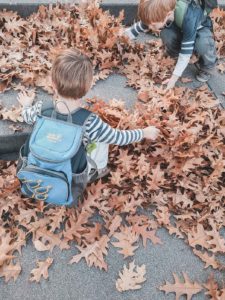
133, 31
191, 22
99, 131
29, 111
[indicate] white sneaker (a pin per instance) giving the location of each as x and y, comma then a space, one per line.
203, 76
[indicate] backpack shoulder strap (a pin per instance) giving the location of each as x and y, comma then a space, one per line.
180, 11
79, 161
80, 116
47, 108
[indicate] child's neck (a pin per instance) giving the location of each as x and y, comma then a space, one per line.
71, 103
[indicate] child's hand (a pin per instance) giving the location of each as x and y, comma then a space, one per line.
171, 82
156, 27
26, 98
151, 132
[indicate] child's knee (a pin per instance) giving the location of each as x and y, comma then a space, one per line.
170, 41
167, 36
205, 45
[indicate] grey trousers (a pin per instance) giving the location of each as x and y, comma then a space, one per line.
205, 46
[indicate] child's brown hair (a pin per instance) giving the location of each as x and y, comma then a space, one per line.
154, 11
72, 73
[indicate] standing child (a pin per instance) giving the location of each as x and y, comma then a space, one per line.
187, 27
72, 75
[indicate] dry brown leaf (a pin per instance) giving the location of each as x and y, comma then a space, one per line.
198, 237
41, 270
12, 114
182, 288
126, 238
210, 261
221, 67
131, 277
10, 271
6, 249
16, 128
213, 289
146, 234
217, 242
93, 253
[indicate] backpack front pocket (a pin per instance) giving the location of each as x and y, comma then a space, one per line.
44, 185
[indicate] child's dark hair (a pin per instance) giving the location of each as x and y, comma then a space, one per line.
72, 74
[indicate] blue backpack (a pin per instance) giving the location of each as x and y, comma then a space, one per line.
53, 164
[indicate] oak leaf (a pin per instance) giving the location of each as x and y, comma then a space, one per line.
182, 288
217, 242
199, 237
146, 234
93, 253
131, 277
10, 271
41, 270
156, 179
210, 261
6, 249
213, 289
126, 238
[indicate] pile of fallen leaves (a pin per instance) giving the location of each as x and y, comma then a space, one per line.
180, 177
28, 46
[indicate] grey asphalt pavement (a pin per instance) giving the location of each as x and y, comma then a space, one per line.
79, 282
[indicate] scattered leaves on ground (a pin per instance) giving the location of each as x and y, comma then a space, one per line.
180, 177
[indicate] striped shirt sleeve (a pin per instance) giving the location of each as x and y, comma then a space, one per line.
29, 113
136, 29
99, 131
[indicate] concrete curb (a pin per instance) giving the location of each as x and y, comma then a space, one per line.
11, 144
130, 9
26, 8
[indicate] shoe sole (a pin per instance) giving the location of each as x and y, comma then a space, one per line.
200, 79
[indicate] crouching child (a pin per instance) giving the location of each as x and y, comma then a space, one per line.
68, 146
186, 28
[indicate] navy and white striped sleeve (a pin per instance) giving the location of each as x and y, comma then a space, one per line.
30, 113
133, 31
138, 28
99, 131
